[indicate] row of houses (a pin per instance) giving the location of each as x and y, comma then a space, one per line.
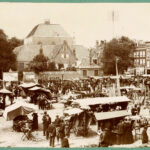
60, 48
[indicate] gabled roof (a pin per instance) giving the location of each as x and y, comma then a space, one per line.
81, 51
85, 63
27, 52
48, 30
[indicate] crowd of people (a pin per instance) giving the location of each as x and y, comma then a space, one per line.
60, 130
56, 130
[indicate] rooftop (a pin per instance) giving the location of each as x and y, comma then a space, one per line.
48, 30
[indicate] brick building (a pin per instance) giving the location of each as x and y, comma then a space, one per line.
93, 65
142, 58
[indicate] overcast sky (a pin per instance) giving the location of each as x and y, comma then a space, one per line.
86, 22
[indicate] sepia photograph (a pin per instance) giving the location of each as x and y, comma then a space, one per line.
74, 75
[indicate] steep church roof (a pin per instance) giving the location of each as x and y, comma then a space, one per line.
48, 30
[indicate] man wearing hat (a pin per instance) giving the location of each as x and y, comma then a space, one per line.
120, 136
52, 134
46, 121
57, 121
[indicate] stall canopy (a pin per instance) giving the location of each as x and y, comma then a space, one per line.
101, 100
28, 85
17, 109
73, 111
5, 91
36, 88
111, 115
131, 88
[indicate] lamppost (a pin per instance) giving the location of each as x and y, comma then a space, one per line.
117, 76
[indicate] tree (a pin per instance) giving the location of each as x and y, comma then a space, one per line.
52, 66
14, 42
7, 57
121, 48
60, 66
39, 63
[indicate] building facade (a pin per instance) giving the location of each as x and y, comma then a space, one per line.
56, 43
142, 58
93, 65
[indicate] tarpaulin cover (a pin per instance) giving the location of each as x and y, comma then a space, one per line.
5, 91
36, 88
28, 85
17, 109
73, 111
110, 115
101, 100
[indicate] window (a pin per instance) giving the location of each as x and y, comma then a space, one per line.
148, 63
62, 55
135, 61
144, 54
143, 61
135, 54
147, 54
84, 72
141, 53
95, 61
95, 72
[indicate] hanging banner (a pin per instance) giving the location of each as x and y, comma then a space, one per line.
29, 76
10, 76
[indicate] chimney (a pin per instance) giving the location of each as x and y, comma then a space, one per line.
74, 52
47, 21
90, 56
97, 44
41, 50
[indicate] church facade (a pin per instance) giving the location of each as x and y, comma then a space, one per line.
56, 44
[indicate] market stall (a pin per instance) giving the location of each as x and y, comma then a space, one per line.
78, 120
17, 109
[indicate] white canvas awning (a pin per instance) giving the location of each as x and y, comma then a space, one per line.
36, 88
73, 111
17, 109
5, 91
101, 100
111, 115
28, 85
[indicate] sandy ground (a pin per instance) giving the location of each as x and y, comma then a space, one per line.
10, 138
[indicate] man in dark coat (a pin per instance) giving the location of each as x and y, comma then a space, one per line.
65, 143
144, 136
46, 121
128, 136
35, 121
61, 131
57, 121
120, 134
52, 134
104, 138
